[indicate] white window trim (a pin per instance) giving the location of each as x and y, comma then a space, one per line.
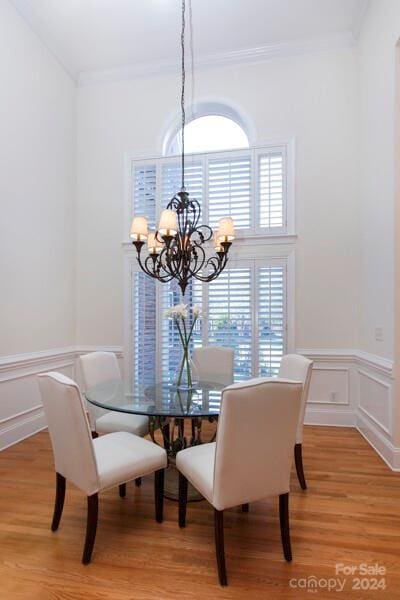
287, 236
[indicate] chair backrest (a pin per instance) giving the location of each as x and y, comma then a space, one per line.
213, 363
97, 367
69, 431
255, 440
298, 368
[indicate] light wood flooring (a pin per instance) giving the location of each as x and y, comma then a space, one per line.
350, 514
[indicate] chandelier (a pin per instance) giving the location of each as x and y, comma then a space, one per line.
178, 248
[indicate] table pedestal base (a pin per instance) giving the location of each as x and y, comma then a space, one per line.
173, 439
171, 485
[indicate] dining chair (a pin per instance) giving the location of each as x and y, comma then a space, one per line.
251, 458
93, 465
298, 368
96, 368
213, 363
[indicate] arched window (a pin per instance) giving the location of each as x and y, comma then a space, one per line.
209, 133
245, 308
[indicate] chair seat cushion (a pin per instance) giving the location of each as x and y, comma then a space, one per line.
197, 465
118, 421
122, 457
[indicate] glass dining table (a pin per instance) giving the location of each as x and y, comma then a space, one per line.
168, 409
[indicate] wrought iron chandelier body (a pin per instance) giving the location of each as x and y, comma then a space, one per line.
182, 256
177, 250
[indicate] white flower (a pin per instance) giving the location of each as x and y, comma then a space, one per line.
181, 311
168, 313
176, 312
196, 311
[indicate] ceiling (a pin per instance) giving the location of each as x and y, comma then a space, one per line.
93, 35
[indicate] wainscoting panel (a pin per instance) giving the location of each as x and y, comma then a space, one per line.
375, 399
21, 412
331, 398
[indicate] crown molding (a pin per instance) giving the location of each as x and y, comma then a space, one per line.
245, 56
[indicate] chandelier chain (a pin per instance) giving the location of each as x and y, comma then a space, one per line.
193, 83
183, 92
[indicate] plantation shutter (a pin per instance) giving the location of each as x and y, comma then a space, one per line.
271, 319
144, 192
229, 190
144, 328
230, 317
171, 181
271, 185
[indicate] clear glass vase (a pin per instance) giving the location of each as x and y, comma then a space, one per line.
183, 378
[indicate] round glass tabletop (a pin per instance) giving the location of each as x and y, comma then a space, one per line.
159, 400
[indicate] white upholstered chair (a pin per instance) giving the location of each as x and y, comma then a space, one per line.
213, 363
96, 368
251, 458
298, 368
93, 465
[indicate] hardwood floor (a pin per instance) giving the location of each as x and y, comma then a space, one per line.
349, 514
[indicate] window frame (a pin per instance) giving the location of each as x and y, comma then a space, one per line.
259, 244
288, 146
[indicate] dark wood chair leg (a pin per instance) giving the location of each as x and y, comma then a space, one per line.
298, 459
183, 489
219, 545
245, 508
91, 527
59, 501
138, 481
159, 494
284, 522
122, 490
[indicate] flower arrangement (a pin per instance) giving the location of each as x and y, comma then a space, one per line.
179, 314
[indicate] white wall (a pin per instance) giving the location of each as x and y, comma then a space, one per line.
379, 407
377, 52
37, 224
314, 99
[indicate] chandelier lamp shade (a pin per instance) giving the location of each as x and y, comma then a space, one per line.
179, 248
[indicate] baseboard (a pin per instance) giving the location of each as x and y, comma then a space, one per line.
389, 453
18, 427
330, 417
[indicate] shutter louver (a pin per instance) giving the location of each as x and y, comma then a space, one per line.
144, 192
230, 317
172, 181
271, 319
144, 327
229, 190
271, 190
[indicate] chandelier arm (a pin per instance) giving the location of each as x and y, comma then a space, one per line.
144, 266
217, 264
204, 232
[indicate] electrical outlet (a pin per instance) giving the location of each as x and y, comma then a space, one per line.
332, 396
378, 334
